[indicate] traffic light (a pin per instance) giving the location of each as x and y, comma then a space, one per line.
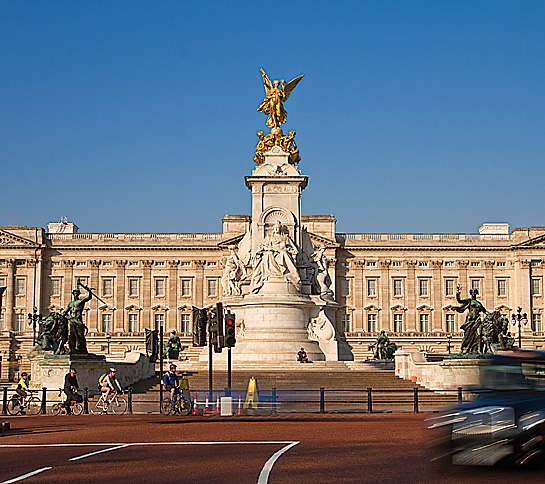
213, 331
230, 339
200, 320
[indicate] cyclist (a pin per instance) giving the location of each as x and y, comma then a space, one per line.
22, 387
171, 381
109, 383
70, 389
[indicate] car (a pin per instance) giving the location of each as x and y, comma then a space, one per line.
505, 423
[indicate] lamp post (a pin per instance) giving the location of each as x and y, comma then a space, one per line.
33, 319
519, 318
108, 339
449, 346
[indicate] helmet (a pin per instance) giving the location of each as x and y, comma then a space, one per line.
112, 370
172, 366
24, 373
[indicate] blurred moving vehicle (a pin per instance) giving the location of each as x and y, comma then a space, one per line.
505, 423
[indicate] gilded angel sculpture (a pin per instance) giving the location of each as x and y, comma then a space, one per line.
275, 95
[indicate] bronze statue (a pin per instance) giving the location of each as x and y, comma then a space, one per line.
473, 326
173, 346
54, 335
77, 329
276, 93
384, 349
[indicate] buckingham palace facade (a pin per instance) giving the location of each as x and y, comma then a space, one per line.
402, 283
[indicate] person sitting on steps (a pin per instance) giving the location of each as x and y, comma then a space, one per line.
302, 356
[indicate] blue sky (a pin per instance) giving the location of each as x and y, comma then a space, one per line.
140, 116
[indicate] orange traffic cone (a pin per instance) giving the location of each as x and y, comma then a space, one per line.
218, 410
239, 409
195, 407
207, 412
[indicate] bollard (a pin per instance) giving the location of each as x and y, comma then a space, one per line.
44, 401
86, 401
273, 398
5, 401
459, 394
322, 399
415, 399
129, 398
369, 400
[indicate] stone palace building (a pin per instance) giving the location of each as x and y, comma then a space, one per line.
402, 283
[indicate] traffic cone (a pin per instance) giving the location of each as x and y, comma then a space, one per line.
218, 410
207, 412
239, 409
195, 407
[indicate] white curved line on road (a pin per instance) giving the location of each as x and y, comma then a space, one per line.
99, 452
264, 475
24, 476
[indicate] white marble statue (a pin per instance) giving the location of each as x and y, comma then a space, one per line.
275, 258
321, 280
233, 273
321, 328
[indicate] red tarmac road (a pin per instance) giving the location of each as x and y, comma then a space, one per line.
359, 448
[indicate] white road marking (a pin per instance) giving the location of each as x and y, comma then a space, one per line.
99, 452
24, 476
264, 475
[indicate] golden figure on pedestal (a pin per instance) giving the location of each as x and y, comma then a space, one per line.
276, 93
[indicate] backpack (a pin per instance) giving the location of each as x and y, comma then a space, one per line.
100, 379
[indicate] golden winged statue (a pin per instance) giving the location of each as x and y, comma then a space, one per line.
275, 95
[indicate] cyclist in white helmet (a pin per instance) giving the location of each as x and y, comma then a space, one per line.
109, 383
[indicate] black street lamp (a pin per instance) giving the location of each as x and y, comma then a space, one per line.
33, 319
108, 339
519, 318
449, 346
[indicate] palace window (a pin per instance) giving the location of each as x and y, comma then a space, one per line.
186, 287
536, 322
535, 263
449, 264
159, 320
449, 287
372, 323
55, 287
475, 264
476, 284
55, 263
185, 323
212, 287
107, 264
160, 264
107, 287
133, 322
133, 263
212, 264
19, 286
398, 323
106, 322
185, 263
423, 264
345, 323
398, 287
502, 287
450, 321
2, 282
424, 323
19, 322
423, 287
397, 263
500, 264
345, 287
371, 287
159, 287
536, 286
133, 287
81, 264
371, 264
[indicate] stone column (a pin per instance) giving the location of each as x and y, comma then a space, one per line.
360, 292
410, 296
9, 322
489, 291
172, 295
92, 314
384, 297
119, 301
67, 282
39, 284
522, 282
436, 323
464, 281
146, 295
199, 282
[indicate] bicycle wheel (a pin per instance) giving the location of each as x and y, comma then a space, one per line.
184, 406
56, 409
77, 408
166, 406
34, 405
118, 405
14, 405
97, 408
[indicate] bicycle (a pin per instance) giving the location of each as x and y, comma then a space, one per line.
181, 404
117, 404
76, 407
32, 407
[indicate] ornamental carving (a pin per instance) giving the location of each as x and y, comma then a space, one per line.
199, 263
437, 264
385, 264
31, 262
411, 264
68, 263
95, 264
489, 264
173, 263
462, 264
148, 264
120, 264
6, 241
525, 264
359, 264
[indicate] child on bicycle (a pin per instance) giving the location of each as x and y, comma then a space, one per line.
109, 384
171, 381
22, 387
